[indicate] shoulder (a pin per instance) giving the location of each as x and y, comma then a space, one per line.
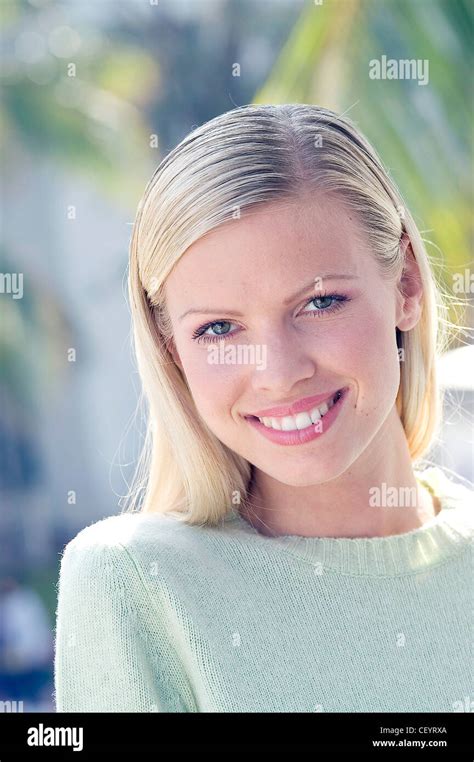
125, 530
125, 544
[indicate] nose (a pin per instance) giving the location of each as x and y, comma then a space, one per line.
285, 364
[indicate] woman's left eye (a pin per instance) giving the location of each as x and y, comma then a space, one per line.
326, 303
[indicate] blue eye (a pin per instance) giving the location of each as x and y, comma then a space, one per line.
326, 303
200, 334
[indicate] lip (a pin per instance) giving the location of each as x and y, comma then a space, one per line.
300, 406
301, 436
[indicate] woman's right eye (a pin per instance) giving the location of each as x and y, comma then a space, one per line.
201, 336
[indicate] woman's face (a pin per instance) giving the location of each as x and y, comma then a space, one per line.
284, 304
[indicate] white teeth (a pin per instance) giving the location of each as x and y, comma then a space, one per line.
288, 423
303, 420
323, 409
299, 421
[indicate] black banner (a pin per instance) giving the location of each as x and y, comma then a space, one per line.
88, 735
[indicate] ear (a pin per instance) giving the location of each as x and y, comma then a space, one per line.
410, 288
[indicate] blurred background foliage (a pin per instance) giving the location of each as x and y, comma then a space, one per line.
76, 115
422, 132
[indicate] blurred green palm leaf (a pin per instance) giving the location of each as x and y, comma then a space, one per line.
422, 132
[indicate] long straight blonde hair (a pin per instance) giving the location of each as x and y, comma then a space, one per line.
251, 155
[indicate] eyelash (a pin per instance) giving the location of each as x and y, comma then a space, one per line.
200, 336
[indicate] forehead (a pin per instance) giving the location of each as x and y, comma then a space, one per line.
274, 245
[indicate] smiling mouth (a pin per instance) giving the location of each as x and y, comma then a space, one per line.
300, 421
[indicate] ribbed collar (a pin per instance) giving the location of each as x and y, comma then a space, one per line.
445, 535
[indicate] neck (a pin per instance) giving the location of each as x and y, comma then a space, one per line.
377, 496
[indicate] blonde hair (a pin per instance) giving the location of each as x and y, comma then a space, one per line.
251, 155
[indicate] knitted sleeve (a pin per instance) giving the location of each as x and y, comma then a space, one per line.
107, 658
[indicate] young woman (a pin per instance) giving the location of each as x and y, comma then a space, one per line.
282, 551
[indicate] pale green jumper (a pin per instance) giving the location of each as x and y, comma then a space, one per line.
156, 615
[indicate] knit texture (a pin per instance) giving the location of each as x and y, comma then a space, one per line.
155, 615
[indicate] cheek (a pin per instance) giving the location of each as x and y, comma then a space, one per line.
214, 387
372, 358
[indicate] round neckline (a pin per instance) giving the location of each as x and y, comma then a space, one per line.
431, 544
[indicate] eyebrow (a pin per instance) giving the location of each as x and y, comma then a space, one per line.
304, 290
